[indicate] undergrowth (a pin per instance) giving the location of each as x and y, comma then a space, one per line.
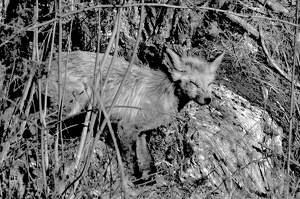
37, 158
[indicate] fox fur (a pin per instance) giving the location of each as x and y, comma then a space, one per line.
157, 94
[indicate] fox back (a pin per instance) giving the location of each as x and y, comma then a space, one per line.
148, 98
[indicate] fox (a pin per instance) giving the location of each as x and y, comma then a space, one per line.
156, 94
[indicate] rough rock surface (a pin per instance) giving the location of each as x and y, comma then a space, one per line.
233, 142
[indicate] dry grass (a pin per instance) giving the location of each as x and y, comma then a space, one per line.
37, 159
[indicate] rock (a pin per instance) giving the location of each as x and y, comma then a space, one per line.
231, 147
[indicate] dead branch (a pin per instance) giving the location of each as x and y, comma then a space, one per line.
243, 24
275, 6
273, 62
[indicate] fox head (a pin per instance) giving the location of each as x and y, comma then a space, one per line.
194, 76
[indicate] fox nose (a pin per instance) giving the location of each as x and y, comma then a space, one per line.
207, 100
203, 100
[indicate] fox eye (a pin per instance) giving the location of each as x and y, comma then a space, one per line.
194, 83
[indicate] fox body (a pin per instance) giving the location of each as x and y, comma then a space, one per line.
156, 94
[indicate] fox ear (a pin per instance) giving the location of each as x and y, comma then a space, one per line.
177, 69
216, 63
175, 59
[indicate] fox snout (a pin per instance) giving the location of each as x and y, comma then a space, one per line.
203, 100
200, 94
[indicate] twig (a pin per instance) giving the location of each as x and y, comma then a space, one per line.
272, 61
244, 24
125, 77
35, 57
94, 116
30, 28
275, 6
252, 8
292, 101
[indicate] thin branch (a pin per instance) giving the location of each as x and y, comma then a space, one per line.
273, 62
244, 24
292, 101
32, 27
275, 6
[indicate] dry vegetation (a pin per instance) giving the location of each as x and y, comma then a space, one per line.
41, 157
